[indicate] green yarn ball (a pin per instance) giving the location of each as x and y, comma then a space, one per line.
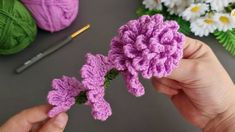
17, 27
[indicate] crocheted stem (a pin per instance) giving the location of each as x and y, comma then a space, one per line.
111, 75
81, 98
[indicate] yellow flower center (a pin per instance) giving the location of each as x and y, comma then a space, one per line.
195, 9
224, 19
209, 21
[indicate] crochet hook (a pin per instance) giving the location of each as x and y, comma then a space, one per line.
50, 50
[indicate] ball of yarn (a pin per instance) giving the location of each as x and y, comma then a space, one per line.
17, 27
53, 15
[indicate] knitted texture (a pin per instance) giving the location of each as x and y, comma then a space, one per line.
53, 15
63, 93
17, 27
148, 45
93, 74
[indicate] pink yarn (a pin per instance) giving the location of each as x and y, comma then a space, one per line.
63, 94
93, 74
133, 84
148, 46
53, 15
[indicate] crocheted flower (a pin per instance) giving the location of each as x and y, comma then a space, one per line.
149, 46
63, 93
94, 74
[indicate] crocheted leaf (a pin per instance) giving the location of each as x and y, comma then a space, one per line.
184, 25
227, 39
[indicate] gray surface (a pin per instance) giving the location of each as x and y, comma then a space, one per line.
152, 112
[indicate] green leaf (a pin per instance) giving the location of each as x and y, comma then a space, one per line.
227, 39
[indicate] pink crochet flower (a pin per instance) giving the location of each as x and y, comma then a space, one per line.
63, 93
148, 46
93, 74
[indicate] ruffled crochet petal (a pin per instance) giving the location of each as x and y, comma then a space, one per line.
93, 74
57, 110
101, 110
133, 84
63, 94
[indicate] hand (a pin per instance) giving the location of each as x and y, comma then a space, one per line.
35, 120
200, 88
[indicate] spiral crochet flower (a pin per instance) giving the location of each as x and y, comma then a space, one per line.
148, 45
93, 74
63, 93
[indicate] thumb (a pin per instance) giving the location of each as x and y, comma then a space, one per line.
56, 124
186, 70
189, 66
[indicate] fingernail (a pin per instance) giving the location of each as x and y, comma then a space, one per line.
61, 120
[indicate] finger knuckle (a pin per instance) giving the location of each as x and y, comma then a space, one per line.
198, 67
203, 45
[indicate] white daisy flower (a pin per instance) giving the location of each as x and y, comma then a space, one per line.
203, 26
219, 5
224, 22
152, 4
194, 11
171, 3
176, 6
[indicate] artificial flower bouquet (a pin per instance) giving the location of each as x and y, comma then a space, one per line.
198, 17
148, 46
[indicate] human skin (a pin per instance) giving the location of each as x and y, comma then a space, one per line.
35, 120
201, 89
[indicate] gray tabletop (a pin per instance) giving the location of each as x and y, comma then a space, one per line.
153, 112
